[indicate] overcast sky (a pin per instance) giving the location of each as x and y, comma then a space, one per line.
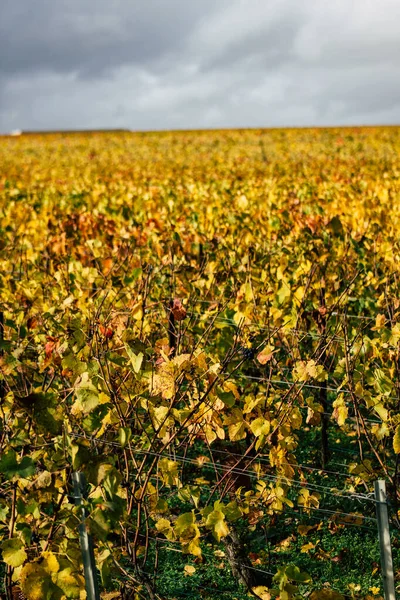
173, 64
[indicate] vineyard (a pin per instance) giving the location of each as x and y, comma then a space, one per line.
206, 326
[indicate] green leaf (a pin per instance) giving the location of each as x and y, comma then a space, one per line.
136, 359
184, 522
105, 564
99, 523
80, 455
169, 471
383, 384
232, 511
14, 553
10, 467
227, 398
98, 469
72, 363
87, 395
45, 409
124, 435
4, 510
295, 574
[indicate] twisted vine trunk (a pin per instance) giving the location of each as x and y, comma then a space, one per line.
241, 567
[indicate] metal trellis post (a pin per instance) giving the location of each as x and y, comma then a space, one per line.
384, 539
89, 564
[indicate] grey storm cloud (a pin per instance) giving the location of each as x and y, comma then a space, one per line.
160, 64
90, 37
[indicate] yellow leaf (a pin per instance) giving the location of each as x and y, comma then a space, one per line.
380, 431
314, 411
137, 311
189, 570
70, 582
229, 386
216, 522
35, 582
307, 547
262, 592
396, 440
304, 529
375, 590
164, 384
296, 418
260, 426
239, 318
340, 411
251, 403
379, 322
164, 527
381, 411
236, 425
309, 370
159, 414
265, 355
308, 500
193, 547
50, 562
242, 202
299, 294
43, 480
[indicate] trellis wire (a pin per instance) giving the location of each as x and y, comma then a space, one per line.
235, 471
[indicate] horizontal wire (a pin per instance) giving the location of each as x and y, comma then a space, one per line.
265, 458
229, 321
302, 511
337, 314
311, 486
315, 387
198, 301
261, 457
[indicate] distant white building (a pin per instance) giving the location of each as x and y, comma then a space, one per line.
16, 132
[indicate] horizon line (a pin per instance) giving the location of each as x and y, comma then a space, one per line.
19, 132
